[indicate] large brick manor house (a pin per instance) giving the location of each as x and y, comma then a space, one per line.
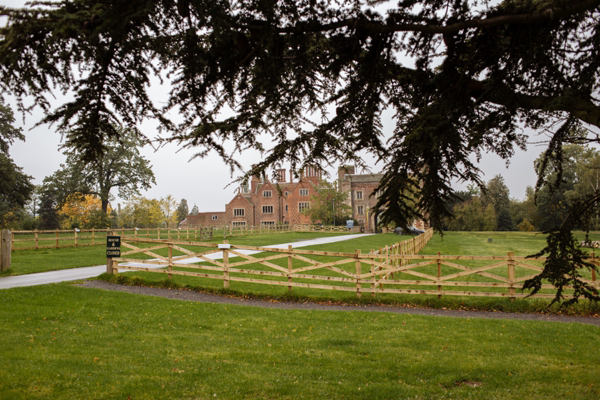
281, 202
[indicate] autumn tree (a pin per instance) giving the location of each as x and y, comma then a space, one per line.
120, 167
141, 212
83, 211
168, 206
462, 79
55, 190
328, 205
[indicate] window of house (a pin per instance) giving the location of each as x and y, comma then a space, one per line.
268, 193
359, 195
360, 210
303, 192
267, 209
286, 208
303, 205
267, 223
237, 224
239, 212
215, 217
286, 193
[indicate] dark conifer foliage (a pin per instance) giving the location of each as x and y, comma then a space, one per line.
463, 77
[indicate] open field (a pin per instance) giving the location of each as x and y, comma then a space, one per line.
61, 341
476, 243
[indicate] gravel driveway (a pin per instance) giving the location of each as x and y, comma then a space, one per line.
182, 294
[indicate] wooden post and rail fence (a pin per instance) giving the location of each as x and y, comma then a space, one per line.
57, 238
396, 269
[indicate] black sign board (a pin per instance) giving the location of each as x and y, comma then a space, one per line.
113, 246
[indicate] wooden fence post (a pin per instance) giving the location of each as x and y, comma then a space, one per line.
109, 263
56, 231
170, 267
225, 267
5, 249
290, 266
93, 236
511, 275
358, 272
439, 267
373, 281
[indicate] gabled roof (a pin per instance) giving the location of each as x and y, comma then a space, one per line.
247, 198
302, 183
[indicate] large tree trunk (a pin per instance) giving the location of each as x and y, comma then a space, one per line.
104, 205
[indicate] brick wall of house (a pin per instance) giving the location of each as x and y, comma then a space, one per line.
267, 208
308, 188
240, 202
363, 199
204, 219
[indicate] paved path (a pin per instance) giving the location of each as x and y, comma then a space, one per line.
74, 274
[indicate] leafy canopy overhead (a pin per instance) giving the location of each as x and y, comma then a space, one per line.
462, 76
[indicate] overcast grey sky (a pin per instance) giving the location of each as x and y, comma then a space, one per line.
204, 181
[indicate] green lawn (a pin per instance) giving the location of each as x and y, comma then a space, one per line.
476, 243
61, 341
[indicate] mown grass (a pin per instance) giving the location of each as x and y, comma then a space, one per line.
476, 243
60, 341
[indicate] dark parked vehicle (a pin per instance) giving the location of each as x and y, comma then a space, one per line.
411, 230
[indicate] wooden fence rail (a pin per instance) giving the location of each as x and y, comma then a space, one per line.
46, 239
396, 269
